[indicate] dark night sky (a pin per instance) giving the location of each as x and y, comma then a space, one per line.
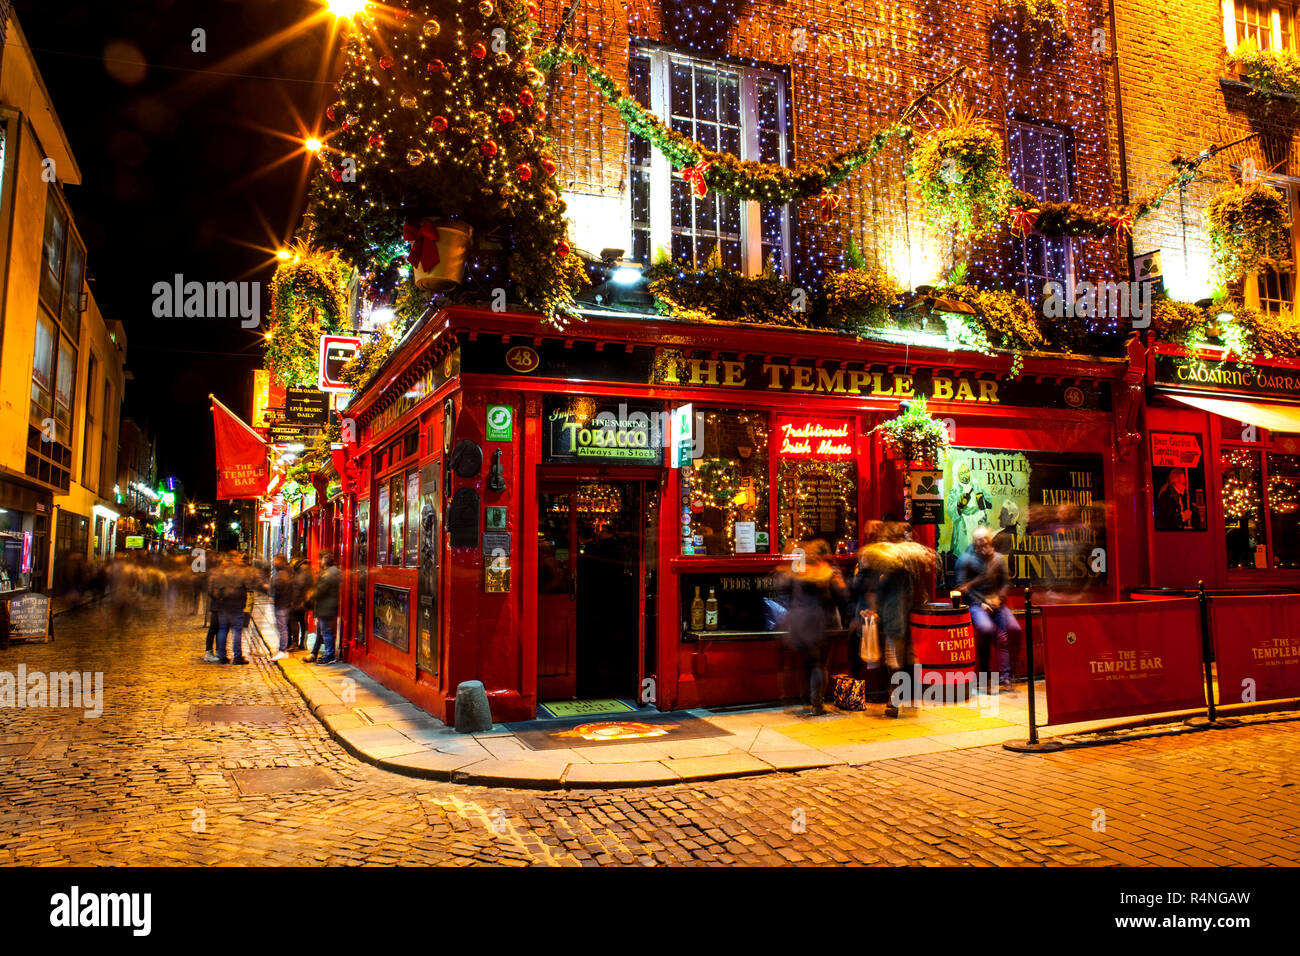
178, 175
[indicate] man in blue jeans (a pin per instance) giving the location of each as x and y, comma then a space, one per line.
983, 578
326, 608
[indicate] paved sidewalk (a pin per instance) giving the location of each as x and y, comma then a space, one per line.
383, 728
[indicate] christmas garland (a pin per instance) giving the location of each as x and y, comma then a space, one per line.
1028, 214
308, 299
707, 169
719, 294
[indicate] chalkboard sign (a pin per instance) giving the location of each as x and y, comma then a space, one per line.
29, 617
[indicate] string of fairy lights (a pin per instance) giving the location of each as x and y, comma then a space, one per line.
851, 67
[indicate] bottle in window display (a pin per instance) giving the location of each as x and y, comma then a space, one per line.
711, 612
697, 612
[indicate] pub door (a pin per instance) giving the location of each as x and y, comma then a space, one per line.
592, 599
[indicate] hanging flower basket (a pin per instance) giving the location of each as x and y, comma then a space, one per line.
1246, 226
915, 436
958, 171
437, 253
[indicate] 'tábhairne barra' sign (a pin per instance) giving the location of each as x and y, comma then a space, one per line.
1193, 374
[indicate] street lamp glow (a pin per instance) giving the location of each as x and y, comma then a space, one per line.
234, 526
283, 255
346, 8
312, 145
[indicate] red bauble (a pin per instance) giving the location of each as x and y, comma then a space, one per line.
438, 124
526, 97
345, 125
337, 174
562, 248
532, 11
488, 147
507, 115
547, 164
436, 66
385, 62
524, 171
541, 113
375, 140
478, 51
329, 111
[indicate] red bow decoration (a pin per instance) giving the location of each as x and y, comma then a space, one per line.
1121, 221
694, 177
424, 244
827, 203
1023, 220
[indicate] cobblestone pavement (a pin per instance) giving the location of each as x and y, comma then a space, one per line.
148, 784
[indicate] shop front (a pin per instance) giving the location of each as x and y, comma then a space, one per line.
608, 511
1223, 453
24, 537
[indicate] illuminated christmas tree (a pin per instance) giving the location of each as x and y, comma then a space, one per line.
438, 120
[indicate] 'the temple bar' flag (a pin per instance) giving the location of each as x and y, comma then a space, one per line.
241, 456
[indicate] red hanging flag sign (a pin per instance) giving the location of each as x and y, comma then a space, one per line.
241, 456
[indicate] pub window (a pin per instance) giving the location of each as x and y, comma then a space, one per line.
724, 492
1039, 161
1274, 285
381, 525
1284, 509
1241, 484
1269, 26
736, 109
816, 484
397, 518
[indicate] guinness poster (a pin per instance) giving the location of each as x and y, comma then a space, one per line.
1045, 512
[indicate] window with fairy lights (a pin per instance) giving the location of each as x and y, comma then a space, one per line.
1269, 26
734, 109
724, 492
1260, 491
1039, 160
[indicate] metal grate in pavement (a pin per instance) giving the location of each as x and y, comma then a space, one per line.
236, 714
283, 780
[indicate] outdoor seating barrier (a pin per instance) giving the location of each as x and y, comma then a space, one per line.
1134, 658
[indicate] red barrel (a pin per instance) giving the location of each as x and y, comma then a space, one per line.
943, 640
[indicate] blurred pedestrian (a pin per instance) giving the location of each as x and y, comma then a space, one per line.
299, 604
816, 593
325, 608
230, 594
902, 574
282, 595
983, 579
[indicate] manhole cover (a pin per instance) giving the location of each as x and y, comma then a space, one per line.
236, 714
282, 780
15, 750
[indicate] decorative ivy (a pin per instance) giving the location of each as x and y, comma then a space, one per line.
308, 299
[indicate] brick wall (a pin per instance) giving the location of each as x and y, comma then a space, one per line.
856, 66
1171, 57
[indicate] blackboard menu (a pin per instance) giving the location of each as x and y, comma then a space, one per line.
29, 616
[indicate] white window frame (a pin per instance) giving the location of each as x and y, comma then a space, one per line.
662, 173
1230, 38
1288, 186
1020, 273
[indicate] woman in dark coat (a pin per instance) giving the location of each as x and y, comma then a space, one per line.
902, 575
816, 593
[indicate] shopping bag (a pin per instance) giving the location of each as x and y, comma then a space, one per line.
850, 694
869, 641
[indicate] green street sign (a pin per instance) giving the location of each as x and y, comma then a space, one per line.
500, 423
